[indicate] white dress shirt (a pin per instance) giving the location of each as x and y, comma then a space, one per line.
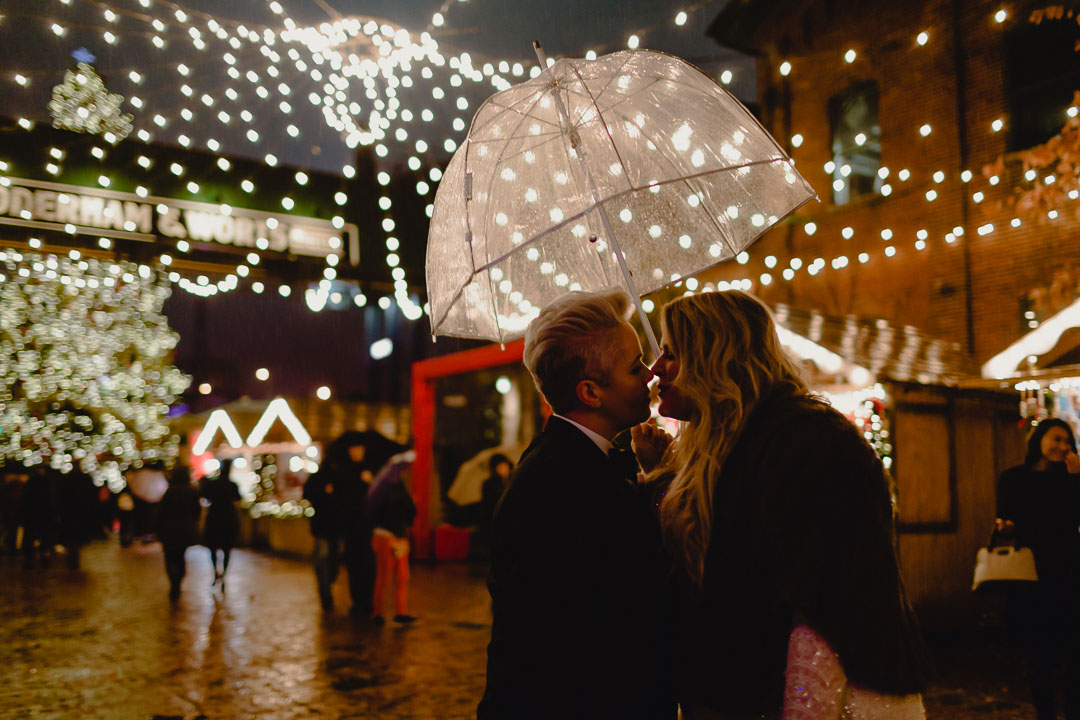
601, 442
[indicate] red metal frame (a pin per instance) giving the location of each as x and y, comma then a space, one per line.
424, 375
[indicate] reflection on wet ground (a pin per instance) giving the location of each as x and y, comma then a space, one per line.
105, 643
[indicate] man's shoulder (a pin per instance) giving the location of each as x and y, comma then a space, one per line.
555, 463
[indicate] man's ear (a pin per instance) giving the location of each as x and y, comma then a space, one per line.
588, 394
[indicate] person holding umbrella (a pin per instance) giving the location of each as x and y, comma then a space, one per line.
577, 574
779, 518
338, 493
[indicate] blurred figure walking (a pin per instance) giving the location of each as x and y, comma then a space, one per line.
222, 519
326, 529
37, 519
78, 514
12, 486
338, 493
178, 520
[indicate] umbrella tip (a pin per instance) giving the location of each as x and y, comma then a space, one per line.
540, 54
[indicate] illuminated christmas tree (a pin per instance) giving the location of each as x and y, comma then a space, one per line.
85, 364
82, 104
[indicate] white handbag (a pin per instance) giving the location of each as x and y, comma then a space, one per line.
999, 564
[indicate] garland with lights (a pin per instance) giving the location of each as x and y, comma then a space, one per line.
85, 363
372, 80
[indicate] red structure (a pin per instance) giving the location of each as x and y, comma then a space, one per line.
424, 375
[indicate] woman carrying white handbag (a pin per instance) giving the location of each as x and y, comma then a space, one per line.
1039, 502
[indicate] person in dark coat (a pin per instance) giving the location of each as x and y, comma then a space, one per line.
1039, 503
779, 518
326, 529
125, 514
11, 499
78, 515
490, 493
338, 492
38, 518
178, 521
577, 572
222, 519
392, 511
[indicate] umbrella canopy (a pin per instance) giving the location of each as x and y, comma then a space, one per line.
148, 483
635, 170
468, 484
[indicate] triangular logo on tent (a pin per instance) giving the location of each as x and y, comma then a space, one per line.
218, 420
278, 409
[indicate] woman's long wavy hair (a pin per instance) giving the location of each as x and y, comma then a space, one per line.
729, 357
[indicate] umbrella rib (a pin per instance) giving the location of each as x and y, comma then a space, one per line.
512, 109
490, 193
708, 211
548, 139
624, 99
597, 205
611, 78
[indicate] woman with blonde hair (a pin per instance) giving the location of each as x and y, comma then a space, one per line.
778, 514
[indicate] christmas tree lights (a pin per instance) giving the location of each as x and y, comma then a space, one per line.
85, 363
81, 103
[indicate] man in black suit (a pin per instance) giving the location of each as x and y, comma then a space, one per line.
577, 574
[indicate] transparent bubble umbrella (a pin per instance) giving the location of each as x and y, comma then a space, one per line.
634, 170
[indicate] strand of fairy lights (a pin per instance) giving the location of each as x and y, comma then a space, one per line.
953, 235
463, 63
320, 44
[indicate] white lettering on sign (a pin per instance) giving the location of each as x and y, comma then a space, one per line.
38, 204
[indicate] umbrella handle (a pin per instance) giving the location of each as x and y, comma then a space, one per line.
653, 345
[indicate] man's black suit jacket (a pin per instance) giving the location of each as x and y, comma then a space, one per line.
581, 616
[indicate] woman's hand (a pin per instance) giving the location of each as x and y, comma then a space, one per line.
1072, 462
650, 443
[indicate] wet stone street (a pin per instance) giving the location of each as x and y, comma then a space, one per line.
105, 643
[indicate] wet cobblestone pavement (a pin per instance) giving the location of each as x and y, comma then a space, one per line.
105, 643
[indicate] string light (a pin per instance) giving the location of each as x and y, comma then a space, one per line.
416, 56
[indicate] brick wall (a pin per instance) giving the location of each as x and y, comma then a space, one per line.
959, 91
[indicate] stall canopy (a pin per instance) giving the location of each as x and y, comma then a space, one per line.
1054, 344
868, 349
295, 420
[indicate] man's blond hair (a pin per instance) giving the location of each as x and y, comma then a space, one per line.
569, 342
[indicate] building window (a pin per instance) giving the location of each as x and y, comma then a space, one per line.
856, 142
1042, 69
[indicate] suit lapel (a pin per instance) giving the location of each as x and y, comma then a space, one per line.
580, 450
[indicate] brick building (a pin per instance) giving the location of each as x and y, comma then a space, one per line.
901, 106
891, 112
